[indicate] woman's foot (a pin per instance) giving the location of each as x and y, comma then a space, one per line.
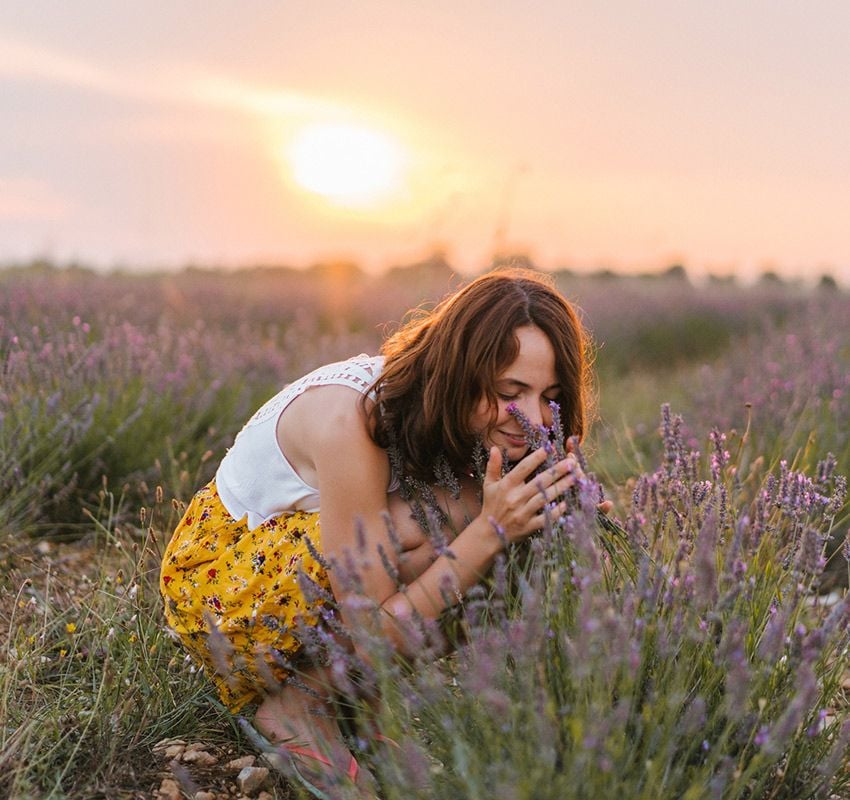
305, 732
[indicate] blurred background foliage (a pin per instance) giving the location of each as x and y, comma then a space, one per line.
144, 379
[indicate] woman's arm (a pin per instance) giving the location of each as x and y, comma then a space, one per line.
353, 473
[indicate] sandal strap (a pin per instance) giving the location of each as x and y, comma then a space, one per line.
353, 766
379, 737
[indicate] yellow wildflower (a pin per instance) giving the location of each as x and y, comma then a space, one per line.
71, 627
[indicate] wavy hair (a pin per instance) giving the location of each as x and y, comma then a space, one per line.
441, 363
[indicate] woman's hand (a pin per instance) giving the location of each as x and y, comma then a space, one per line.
516, 507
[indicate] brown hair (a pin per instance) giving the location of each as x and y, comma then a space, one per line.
440, 364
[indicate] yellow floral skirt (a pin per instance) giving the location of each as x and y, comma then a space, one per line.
237, 597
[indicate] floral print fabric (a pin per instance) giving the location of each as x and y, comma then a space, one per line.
236, 597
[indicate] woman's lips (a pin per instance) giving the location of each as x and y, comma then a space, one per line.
513, 439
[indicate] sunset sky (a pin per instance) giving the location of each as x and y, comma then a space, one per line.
630, 135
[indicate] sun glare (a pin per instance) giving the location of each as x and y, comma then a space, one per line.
347, 165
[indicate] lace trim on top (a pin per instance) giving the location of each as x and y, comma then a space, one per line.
358, 373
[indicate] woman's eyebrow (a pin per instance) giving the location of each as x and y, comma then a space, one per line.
523, 385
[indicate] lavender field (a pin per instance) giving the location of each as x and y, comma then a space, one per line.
702, 655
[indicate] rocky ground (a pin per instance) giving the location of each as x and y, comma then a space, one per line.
202, 771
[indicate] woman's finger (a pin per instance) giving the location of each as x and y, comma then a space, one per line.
525, 468
568, 464
539, 521
552, 475
493, 472
552, 492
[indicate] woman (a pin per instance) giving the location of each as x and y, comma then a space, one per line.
320, 465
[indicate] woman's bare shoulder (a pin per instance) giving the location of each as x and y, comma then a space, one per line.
322, 418
322, 406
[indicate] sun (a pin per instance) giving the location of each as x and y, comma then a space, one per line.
347, 165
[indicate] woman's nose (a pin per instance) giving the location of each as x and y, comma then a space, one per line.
538, 413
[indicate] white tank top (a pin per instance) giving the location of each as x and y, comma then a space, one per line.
254, 478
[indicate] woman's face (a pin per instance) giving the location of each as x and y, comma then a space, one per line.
530, 383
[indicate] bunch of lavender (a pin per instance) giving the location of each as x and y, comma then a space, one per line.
429, 512
613, 538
